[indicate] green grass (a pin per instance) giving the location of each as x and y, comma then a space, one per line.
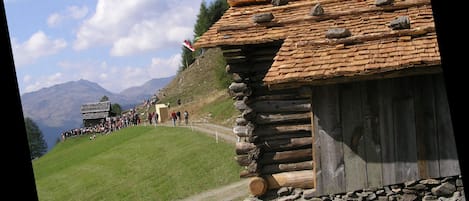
136, 163
222, 110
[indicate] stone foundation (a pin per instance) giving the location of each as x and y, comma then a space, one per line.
439, 189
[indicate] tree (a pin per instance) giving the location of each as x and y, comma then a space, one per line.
104, 99
36, 142
116, 109
203, 20
187, 58
216, 10
207, 17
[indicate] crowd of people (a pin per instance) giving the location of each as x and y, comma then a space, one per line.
106, 126
131, 118
176, 117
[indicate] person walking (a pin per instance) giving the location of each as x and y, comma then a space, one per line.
186, 117
174, 118
178, 114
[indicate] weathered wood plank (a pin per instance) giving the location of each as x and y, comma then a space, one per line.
283, 96
449, 163
286, 167
313, 134
281, 106
286, 144
285, 156
263, 130
386, 130
318, 183
327, 111
274, 118
353, 136
298, 134
425, 124
244, 66
404, 123
370, 110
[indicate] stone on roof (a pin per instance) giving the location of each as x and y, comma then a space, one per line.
382, 39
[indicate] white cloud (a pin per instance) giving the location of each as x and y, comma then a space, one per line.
71, 12
131, 27
77, 12
38, 45
54, 19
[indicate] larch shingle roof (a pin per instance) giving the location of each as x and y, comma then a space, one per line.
306, 55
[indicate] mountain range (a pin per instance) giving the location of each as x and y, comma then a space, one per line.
57, 108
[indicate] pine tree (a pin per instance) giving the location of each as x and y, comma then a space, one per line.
37, 144
216, 10
203, 20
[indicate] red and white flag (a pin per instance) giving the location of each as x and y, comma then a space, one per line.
188, 44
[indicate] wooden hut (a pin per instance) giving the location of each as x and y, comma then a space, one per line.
336, 95
95, 113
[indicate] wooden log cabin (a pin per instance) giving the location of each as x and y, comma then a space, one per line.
95, 113
336, 95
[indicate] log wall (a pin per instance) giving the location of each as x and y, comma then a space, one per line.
274, 126
344, 137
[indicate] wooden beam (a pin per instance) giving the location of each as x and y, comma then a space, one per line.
286, 144
286, 167
281, 129
296, 179
286, 156
281, 106
298, 134
266, 118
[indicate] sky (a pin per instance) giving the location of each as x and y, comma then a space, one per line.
115, 43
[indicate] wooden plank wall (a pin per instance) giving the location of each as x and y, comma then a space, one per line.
382, 132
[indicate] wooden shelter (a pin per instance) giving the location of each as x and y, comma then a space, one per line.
336, 95
95, 113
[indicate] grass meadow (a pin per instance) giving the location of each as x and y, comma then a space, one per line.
135, 163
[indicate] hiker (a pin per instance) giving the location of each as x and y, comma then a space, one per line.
173, 117
186, 117
178, 114
155, 117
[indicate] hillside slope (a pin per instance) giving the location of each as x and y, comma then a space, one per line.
135, 163
202, 90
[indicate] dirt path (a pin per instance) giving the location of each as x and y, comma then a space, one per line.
237, 191
233, 192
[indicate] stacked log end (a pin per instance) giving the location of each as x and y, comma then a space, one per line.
274, 127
